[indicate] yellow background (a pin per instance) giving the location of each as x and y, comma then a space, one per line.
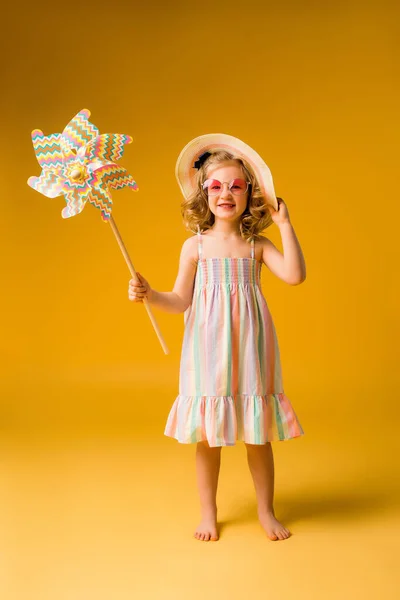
96, 502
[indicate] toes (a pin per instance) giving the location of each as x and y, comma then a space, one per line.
205, 537
283, 534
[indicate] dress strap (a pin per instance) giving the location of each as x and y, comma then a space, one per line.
199, 243
252, 247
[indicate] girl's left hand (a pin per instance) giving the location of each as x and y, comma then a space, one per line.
281, 215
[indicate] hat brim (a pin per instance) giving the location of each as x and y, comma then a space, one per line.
186, 173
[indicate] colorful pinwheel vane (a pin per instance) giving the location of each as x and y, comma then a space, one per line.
81, 164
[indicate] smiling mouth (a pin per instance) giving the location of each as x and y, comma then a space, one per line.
226, 204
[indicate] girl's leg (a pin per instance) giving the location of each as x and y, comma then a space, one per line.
261, 463
208, 461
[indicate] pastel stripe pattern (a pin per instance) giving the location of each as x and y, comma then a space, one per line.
230, 385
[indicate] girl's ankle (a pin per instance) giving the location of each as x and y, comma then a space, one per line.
208, 511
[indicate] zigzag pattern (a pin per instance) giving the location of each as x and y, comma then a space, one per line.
81, 146
75, 205
77, 133
101, 199
49, 183
82, 188
108, 146
115, 177
47, 149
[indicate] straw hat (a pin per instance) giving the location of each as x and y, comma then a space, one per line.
185, 169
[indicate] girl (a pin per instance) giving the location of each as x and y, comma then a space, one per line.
230, 374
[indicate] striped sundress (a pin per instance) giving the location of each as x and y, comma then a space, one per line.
230, 385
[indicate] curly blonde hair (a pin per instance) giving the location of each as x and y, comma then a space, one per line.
196, 212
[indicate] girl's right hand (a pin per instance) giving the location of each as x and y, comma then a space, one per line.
138, 290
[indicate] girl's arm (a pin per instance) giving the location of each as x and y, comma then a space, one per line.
180, 298
289, 266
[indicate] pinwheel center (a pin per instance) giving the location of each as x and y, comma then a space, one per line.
77, 174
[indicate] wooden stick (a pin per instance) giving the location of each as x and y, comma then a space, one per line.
133, 273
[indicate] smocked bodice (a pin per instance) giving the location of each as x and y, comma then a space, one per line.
228, 270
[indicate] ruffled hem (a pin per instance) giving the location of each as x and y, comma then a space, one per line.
224, 420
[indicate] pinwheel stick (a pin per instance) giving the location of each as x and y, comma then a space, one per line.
133, 273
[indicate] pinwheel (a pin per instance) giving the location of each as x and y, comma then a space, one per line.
80, 164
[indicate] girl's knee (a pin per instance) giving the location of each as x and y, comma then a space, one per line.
205, 444
251, 447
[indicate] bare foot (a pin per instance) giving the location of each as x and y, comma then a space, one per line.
207, 529
274, 529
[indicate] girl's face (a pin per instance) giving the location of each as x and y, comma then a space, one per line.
225, 204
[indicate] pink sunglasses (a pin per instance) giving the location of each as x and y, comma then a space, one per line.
236, 186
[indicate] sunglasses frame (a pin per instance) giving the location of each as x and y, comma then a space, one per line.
229, 186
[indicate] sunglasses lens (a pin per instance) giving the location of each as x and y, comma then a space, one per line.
213, 186
238, 186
